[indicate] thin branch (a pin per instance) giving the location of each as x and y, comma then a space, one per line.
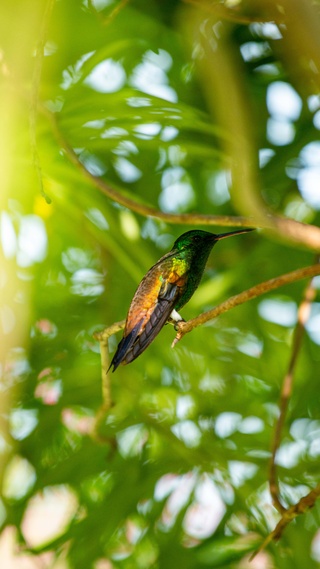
186, 327
303, 315
99, 422
308, 501
138, 207
257, 290
305, 503
35, 95
308, 235
103, 338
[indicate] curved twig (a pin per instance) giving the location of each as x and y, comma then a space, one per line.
308, 501
253, 292
304, 504
106, 405
139, 207
103, 338
307, 235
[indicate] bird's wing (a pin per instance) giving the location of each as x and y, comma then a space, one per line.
144, 332
166, 302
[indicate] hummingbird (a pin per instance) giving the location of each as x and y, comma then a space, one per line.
165, 288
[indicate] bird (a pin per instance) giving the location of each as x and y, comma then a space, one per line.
166, 288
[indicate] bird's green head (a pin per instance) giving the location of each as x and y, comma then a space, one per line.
192, 250
197, 240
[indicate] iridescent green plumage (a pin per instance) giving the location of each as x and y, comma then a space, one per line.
166, 287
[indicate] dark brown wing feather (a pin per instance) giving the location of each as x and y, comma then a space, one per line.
132, 345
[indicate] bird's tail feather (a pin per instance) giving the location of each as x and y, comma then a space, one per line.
124, 346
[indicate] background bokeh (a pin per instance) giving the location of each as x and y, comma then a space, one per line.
126, 94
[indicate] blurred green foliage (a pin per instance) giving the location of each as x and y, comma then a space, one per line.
178, 474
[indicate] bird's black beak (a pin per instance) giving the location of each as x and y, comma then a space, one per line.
224, 235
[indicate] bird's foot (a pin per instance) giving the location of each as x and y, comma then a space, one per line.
174, 319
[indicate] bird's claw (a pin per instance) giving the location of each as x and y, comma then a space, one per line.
176, 325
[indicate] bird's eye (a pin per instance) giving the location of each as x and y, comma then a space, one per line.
196, 238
